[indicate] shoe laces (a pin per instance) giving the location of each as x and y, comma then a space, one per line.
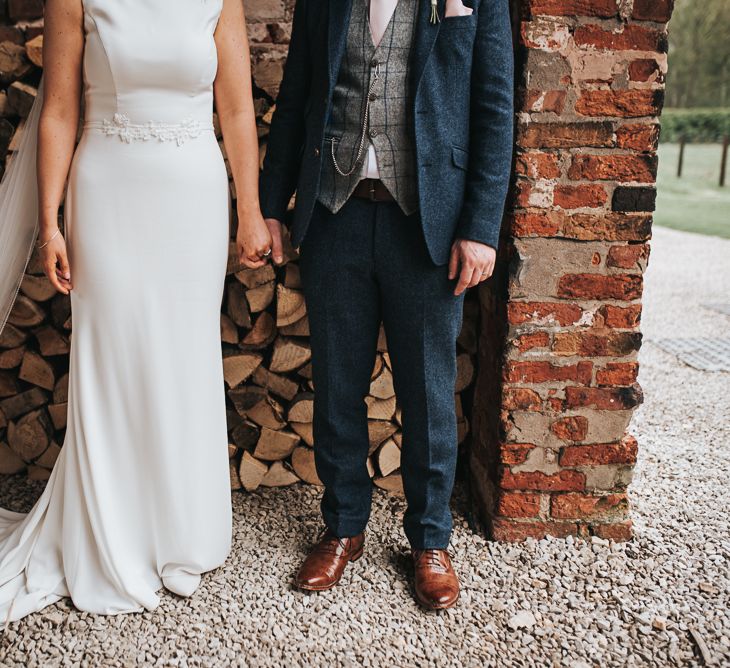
330, 544
434, 559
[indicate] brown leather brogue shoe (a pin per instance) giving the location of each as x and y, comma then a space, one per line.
436, 585
326, 563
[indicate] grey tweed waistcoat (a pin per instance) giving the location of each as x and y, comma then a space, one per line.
389, 127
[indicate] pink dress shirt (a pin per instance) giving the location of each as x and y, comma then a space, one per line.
381, 12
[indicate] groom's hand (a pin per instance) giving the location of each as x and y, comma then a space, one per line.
472, 262
277, 248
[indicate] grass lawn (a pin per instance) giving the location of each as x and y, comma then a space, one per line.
694, 203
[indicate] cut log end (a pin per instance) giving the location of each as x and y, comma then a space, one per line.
279, 475
302, 462
251, 472
392, 483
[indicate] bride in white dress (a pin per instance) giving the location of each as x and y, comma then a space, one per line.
139, 498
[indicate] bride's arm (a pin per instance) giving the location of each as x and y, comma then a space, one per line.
234, 104
63, 47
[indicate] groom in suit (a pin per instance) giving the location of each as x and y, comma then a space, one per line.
393, 125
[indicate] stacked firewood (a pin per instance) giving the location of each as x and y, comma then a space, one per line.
264, 333
21, 60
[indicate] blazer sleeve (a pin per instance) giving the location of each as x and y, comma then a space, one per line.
286, 138
491, 126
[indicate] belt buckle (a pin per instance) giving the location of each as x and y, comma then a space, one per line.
371, 183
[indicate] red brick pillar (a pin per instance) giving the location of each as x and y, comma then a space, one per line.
558, 380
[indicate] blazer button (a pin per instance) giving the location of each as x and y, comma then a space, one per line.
374, 62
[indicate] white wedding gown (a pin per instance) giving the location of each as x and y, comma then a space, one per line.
140, 497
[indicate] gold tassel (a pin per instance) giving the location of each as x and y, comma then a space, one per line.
434, 13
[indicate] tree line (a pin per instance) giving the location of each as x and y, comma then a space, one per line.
699, 54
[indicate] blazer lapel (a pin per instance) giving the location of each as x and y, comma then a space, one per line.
339, 20
425, 36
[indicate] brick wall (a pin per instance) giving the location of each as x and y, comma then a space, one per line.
552, 454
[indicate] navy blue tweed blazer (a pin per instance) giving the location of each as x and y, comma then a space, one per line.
462, 100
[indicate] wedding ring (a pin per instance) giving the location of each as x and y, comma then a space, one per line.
267, 253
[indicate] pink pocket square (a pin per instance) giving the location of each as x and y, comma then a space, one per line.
457, 8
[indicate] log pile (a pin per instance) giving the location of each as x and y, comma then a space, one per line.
264, 334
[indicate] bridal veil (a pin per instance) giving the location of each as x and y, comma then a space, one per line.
19, 212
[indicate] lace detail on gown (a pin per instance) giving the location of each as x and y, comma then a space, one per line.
122, 127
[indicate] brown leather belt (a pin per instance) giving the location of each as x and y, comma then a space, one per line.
374, 190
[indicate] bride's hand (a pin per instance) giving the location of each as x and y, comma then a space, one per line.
253, 239
55, 260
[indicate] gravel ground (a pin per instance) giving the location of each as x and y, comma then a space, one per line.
660, 600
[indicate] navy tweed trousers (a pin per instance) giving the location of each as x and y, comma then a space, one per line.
365, 265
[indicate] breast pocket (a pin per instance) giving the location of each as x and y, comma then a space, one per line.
456, 36
449, 23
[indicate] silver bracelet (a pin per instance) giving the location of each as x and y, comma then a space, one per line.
55, 234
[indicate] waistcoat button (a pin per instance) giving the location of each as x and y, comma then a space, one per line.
373, 133
316, 152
